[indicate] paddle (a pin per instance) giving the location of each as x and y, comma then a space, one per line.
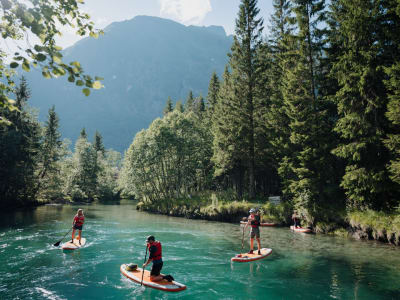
58, 243
145, 257
243, 237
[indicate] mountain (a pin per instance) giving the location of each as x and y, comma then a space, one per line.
143, 61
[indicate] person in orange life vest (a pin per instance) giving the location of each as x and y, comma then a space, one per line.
77, 223
155, 256
254, 222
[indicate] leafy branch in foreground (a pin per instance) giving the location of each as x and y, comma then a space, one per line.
42, 20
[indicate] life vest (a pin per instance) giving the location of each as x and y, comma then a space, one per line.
79, 220
157, 255
255, 222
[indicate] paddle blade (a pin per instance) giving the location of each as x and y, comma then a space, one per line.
57, 244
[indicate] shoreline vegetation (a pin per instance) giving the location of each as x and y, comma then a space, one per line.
365, 225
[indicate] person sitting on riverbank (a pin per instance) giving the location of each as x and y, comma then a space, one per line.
155, 256
254, 222
77, 223
296, 220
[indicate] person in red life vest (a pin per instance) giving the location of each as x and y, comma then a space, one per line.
155, 257
77, 223
254, 222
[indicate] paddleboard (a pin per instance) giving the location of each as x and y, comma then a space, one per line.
245, 257
303, 230
75, 245
163, 285
261, 224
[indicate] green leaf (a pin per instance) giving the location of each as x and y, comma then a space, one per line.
41, 57
25, 66
46, 74
38, 48
76, 64
94, 35
79, 82
14, 65
57, 59
86, 91
71, 78
97, 85
98, 78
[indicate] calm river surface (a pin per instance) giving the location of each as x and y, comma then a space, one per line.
196, 253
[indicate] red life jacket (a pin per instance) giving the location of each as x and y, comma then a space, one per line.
79, 220
157, 255
255, 222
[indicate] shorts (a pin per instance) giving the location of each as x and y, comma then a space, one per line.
255, 232
78, 227
156, 269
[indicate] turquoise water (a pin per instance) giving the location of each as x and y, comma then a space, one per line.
197, 253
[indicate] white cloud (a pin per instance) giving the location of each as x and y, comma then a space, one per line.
188, 12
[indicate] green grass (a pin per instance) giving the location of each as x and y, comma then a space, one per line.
219, 206
379, 225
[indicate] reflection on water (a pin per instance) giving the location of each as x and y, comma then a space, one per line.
197, 253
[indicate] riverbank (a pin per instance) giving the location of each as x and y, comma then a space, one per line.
366, 225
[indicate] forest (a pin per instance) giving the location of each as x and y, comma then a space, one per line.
308, 109
310, 112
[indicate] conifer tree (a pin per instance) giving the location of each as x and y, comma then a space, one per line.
49, 157
361, 101
83, 134
393, 86
243, 63
98, 143
19, 148
307, 168
179, 106
168, 106
227, 154
213, 88
189, 102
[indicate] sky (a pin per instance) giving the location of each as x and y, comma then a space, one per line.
187, 12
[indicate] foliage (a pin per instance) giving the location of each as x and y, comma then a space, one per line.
169, 159
43, 19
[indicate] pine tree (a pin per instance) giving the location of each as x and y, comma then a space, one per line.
307, 168
83, 134
49, 157
19, 148
393, 86
179, 106
227, 154
243, 63
362, 101
168, 106
189, 102
213, 89
98, 143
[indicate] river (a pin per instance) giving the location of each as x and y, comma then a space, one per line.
197, 253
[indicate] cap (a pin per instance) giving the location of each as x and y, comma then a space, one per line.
150, 238
252, 210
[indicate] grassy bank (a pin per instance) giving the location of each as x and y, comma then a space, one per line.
221, 206
375, 225
215, 206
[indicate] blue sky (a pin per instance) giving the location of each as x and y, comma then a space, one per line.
188, 12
